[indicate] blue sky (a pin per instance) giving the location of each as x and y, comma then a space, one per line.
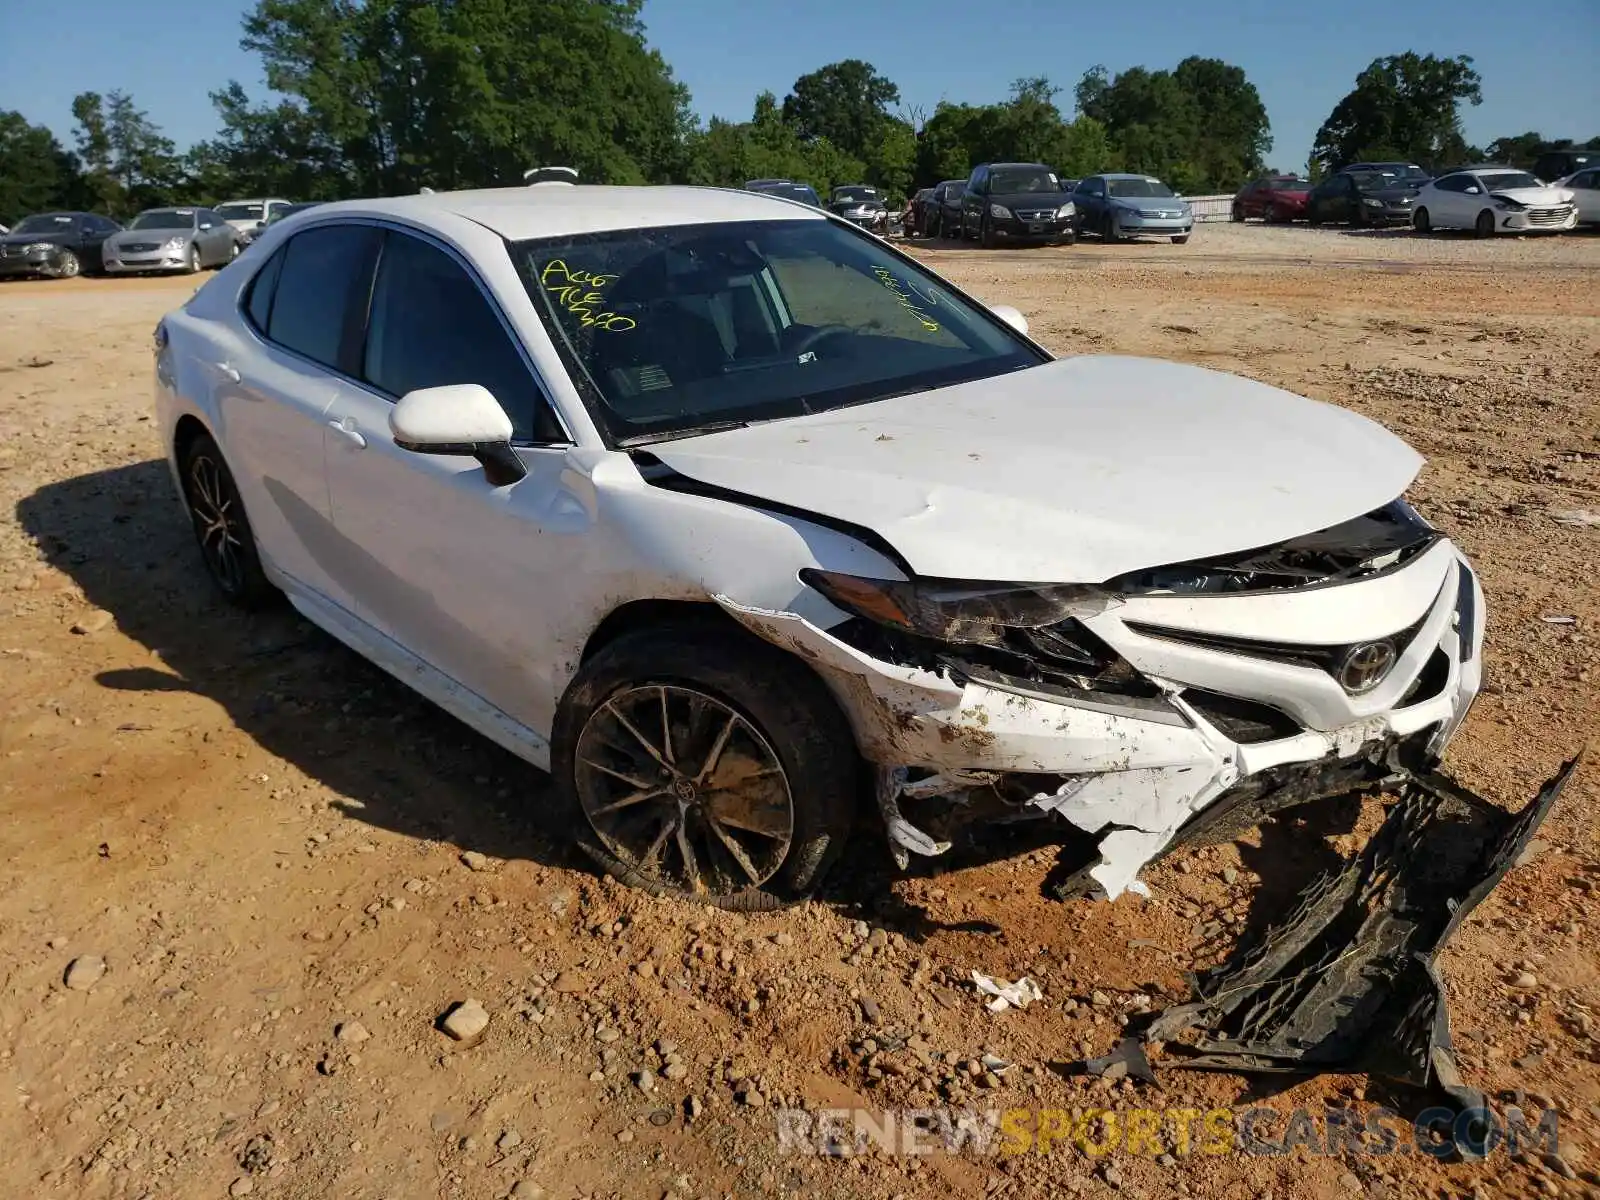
1302, 55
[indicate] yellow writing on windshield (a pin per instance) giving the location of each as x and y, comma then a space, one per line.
580, 293
900, 292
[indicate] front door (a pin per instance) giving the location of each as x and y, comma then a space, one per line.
467, 576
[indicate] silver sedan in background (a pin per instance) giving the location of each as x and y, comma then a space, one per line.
1585, 188
172, 239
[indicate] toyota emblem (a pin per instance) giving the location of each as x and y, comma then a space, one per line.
1366, 666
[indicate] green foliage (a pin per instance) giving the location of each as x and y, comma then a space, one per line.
845, 102
128, 163
36, 173
727, 154
1524, 149
1405, 107
1200, 127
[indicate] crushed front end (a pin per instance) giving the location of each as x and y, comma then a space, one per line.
1163, 706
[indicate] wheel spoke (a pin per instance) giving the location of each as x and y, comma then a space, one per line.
615, 774
691, 868
715, 754
732, 846
666, 729
639, 797
639, 737
751, 822
668, 828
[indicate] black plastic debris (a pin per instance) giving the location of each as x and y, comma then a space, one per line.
1347, 982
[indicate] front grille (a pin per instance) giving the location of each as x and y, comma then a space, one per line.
12, 251
141, 247
1037, 214
1323, 658
1244, 721
1548, 216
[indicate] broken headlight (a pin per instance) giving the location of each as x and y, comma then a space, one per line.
950, 610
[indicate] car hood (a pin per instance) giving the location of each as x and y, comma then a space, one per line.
161, 236
28, 239
1539, 197
1031, 199
1073, 471
1391, 195
1162, 202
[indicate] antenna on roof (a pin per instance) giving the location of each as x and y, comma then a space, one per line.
427, 191
535, 175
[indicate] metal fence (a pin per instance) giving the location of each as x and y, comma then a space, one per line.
1211, 208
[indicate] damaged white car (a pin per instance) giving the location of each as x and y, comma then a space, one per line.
737, 519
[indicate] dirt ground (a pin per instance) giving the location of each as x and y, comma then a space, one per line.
291, 866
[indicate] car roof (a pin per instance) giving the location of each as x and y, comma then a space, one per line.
1485, 167
517, 213
1124, 175
997, 165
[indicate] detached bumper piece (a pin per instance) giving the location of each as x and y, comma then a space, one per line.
1347, 983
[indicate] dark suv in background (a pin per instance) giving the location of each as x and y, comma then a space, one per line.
1558, 164
1364, 197
1017, 202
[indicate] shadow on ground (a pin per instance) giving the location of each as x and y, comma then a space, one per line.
393, 759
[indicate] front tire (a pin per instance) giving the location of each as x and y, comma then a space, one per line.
1484, 225
192, 266
68, 266
1237, 214
986, 233
221, 528
1420, 221
704, 764
1181, 239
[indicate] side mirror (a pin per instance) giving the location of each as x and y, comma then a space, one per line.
1011, 316
458, 418
1472, 191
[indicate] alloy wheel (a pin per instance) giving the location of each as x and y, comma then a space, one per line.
682, 788
215, 509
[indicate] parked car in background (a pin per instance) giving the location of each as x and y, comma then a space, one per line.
1585, 189
912, 218
1123, 206
1490, 199
1362, 198
289, 210
58, 245
786, 188
1020, 202
1275, 198
944, 209
1409, 173
571, 513
172, 239
860, 205
1557, 164
249, 217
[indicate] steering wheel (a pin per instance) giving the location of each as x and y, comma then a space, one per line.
819, 334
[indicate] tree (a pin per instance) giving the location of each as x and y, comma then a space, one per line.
398, 94
36, 173
1232, 134
846, 102
727, 154
1406, 106
129, 164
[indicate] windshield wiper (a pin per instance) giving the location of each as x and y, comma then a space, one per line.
672, 435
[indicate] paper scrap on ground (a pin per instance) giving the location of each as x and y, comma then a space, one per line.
1008, 995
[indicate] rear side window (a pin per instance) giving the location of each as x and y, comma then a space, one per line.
324, 271
258, 300
432, 325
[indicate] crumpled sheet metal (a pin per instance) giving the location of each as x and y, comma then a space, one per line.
1347, 982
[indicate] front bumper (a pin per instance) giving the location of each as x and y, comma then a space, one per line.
877, 221
1141, 770
38, 263
1556, 219
1132, 224
1389, 214
1020, 227
135, 264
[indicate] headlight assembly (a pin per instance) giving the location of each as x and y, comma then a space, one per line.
999, 210
956, 611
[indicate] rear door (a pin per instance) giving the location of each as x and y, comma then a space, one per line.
467, 576
274, 384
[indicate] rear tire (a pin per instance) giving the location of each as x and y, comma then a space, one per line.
789, 767
1237, 214
221, 528
986, 233
1484, 225
1181, 240
1313, 217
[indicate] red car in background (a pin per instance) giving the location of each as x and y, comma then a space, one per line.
1274, 198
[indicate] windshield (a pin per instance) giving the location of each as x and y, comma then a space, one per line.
858, 195
684, 328
243, 211
1290, 185
792, 191
165, 218
46, 223
1376, 181
1016, 181
1499, 181
289, 210
1137, 187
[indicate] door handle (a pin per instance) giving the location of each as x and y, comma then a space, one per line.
349, 432
228, 371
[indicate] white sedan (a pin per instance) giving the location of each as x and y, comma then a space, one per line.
732, 516
1585, 188
1490, 200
